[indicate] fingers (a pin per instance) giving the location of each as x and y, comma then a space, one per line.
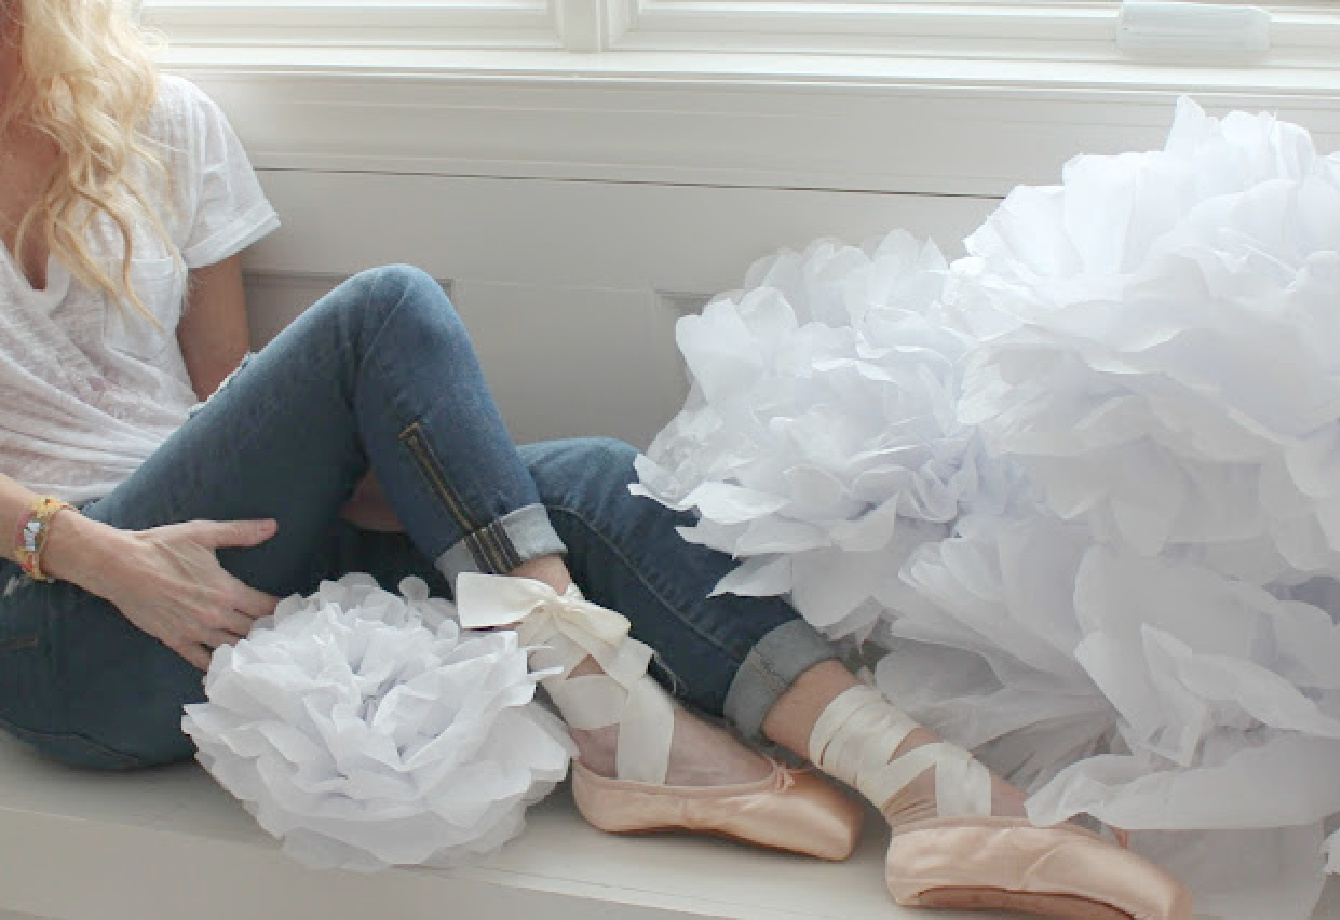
216, 534
197, 655
249, 602
233, 625
200, 653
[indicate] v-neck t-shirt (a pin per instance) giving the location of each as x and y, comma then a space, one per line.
90, 387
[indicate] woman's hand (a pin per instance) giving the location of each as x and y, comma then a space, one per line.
166, 580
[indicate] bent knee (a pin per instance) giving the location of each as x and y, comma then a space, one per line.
388, 287
609, 457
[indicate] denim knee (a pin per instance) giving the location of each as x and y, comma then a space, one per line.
607, 457
389, 289
589, 467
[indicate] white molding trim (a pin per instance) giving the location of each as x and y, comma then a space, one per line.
396, 24
922, 133
970, 101
1305, 33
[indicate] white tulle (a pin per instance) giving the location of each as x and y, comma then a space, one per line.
366, 729
1080, 489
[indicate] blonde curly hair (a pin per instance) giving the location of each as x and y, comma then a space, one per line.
87, 81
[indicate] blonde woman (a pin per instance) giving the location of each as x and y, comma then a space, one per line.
151, 525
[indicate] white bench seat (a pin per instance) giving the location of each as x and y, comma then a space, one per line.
171, 844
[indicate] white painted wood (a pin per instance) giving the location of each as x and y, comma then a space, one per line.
169, 844
999, 30
513, 24
942, 127
575, 234
1040, 30
570, 289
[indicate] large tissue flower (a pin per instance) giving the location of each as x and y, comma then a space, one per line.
1173, 665
1083, 487
821, 436
1158, 344
366, 729
1149, 692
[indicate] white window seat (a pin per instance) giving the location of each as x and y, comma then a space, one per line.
171, 844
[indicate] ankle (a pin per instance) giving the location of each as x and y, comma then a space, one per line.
866, 742
598, 749
551, 570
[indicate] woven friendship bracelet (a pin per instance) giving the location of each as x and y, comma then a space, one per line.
32, 535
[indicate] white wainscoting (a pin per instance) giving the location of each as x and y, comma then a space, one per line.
571, 289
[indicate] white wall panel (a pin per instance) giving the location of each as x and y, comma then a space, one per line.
939, 127
571, 289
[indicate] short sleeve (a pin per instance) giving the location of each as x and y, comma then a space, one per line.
225, 208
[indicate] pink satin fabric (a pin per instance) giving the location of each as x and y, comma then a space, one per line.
790, 810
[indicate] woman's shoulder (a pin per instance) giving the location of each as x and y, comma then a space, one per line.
181, 110
179, 98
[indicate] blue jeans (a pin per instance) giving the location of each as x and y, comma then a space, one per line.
380, 375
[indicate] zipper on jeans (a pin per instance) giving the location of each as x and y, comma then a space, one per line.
412, 437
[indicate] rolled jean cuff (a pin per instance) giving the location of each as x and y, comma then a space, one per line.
769, 671
503, 544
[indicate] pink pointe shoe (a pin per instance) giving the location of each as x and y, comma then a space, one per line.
789, 810
949, 851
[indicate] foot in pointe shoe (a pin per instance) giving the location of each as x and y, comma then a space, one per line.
960, 837
647, 764
716, 785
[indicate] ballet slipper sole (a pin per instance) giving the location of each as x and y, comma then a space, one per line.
791, 811
828, 856
1065, 872
1057, 906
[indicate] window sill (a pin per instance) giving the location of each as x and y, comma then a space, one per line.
843, 122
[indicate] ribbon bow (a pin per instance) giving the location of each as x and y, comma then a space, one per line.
541, 615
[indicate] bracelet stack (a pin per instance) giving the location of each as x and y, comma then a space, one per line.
32, 535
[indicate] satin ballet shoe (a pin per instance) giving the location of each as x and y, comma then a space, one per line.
787, 810
949, 851
1066, 872
790, 810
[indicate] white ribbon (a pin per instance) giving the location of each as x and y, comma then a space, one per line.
573, 628
856, 737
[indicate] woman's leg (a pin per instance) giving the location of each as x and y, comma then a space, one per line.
961, 838
379, 372
727, 656
791, 724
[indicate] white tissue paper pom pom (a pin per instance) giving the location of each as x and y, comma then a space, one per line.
987, 658
1331, 850
1148, 692
1158, 344
366, 730
820, 439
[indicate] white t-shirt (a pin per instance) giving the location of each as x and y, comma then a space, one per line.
89, 388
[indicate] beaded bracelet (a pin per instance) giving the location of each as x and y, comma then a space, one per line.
32, 536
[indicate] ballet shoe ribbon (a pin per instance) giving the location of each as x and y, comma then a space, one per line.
621, 695
539, 613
